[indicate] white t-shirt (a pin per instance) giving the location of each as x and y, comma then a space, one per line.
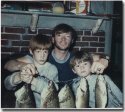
47, 70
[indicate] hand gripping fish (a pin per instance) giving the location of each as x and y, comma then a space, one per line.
24, 98
49, 96
66, 98
100, 92
82, 94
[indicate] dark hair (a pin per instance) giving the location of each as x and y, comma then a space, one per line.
81, 56
40, 41
64, 28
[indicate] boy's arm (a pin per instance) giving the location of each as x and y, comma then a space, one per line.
115, 92
38, 83
53, 73
12, 81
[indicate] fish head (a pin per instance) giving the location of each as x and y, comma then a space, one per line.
101, 92
83, 81
100, 79
49, 88
83, 84
52, 86
20, 92
63, 92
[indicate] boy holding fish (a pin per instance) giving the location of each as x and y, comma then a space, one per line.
39, 48
100, 89
63, 38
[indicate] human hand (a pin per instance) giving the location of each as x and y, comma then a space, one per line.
27, 78
99, 66
29, 69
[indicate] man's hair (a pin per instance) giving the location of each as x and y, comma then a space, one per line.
80, 56
40, 41
64, 28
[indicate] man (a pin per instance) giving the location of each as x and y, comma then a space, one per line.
63, 36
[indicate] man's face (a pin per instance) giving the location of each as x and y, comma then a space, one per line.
82, 68
62, 41
40, 56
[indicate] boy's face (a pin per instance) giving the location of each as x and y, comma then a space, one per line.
40, 56
82, 68
62, 41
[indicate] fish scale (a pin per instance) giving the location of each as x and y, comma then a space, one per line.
82, 94
24, 98
66, 98
49, 97
100, 92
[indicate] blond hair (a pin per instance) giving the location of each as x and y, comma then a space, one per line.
80, 56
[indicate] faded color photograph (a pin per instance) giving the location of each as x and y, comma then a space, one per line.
62, 55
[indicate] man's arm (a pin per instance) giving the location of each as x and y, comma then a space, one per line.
97, 56
100, 63
14, 65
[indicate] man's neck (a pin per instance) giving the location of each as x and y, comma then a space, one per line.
60, 54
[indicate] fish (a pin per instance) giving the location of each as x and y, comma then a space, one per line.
24, 98
49, 96
101, 95
66, 97
82, 94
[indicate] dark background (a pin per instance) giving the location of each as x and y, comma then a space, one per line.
116, 65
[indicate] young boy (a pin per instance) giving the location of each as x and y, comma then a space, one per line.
81, 65
39, 49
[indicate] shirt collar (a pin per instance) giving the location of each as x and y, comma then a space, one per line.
58, 60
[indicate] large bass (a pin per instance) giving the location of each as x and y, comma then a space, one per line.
101, 95
49, 96
66, 98
82, 94
24, 97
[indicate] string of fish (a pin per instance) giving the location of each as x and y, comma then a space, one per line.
69, 82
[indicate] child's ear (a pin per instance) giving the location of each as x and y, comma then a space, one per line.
30, 51
73, 70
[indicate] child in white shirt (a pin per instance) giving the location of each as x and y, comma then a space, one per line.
36, 63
